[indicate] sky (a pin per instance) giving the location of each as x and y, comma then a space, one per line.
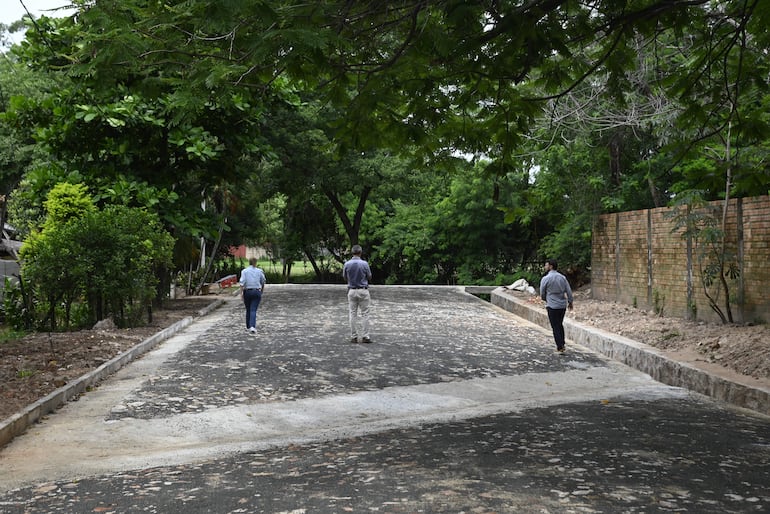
12, 10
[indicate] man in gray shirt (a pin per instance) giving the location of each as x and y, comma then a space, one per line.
357, 273
556, 292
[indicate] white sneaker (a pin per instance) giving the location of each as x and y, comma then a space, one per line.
253, 330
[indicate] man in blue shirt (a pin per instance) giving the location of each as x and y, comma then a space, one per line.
357, 273
252, 283
557, 293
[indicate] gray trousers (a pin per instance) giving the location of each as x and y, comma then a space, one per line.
358, 309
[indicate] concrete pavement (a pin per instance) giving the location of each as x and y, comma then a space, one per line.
457, 406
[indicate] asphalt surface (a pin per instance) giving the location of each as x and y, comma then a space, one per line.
457, 406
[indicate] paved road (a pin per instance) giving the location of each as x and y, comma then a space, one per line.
457, 407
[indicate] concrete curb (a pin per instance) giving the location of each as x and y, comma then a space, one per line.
644, 358
19, 422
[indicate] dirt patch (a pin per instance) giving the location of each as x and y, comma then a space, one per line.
38, 364
738, 348
734, 352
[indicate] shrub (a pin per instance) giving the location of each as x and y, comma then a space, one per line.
104, 260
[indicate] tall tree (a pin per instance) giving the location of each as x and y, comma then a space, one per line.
19, 154
135, 138
444, 72
308, 163
451, 76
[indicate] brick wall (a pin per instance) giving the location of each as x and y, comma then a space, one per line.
638, 258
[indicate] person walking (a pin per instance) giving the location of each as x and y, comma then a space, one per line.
252, 283
557, 294
357, 273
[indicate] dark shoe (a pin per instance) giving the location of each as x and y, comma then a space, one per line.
354, 340
366, 340
560, 350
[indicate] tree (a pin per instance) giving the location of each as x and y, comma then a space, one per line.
441, 77
18, 152
180, 155
309, 166
66, 202
446, 73
723, 121
452, 231
702, 227
630, 143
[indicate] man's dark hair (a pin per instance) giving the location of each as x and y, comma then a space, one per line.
357, 250
553, 263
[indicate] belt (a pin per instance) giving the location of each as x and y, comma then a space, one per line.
365, 287
252, 288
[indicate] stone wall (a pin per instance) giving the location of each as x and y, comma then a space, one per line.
9, 269
639, 258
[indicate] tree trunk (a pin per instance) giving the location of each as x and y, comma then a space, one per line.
313, 263
352, 227
214, 251
725, 205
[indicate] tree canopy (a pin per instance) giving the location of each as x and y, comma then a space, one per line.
563, 110
460, 74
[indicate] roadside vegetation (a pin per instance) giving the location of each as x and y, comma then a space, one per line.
457, 142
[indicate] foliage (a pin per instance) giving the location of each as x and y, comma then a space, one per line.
699, 222
308, 126
66, 202
558, 200
16, 312
105, 260
722, 87
134, 139
405, 246
325, 188
18, 151
132, 152
681, 114
456, 235
467, 76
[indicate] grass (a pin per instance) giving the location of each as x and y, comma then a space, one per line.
10, 334
298, 268
301, 271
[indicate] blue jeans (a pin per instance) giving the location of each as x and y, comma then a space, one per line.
556, 317
251, 299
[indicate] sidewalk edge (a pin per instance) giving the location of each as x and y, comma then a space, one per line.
18, 423
644, 358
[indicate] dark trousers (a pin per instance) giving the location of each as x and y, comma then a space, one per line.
556, 317
251, 299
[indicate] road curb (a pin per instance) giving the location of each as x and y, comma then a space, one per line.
18, 423
644, 358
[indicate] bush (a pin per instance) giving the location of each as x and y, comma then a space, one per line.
15, 312
104, 260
